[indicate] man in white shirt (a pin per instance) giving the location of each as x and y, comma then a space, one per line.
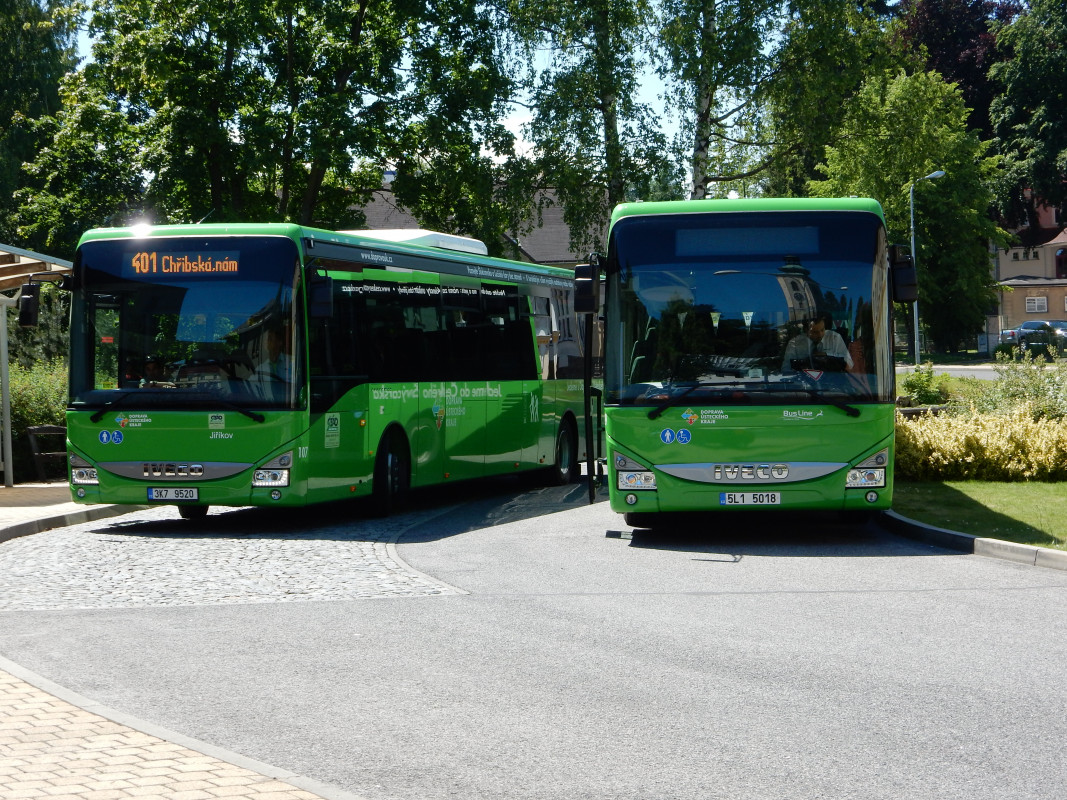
815, 345
278, 365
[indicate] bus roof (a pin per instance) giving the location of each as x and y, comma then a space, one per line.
445, 241
748, 204
443, 246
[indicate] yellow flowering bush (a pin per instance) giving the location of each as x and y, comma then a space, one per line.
1018, 446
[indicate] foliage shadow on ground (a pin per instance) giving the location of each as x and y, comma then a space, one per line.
944, 506
485, 503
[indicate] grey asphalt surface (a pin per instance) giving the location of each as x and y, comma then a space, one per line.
557, 653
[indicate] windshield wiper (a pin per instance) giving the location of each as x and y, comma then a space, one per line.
852, 411
98, 415
670, 401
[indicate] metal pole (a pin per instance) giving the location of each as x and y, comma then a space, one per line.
915, 264
6, 456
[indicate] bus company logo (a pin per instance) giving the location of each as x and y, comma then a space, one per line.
438, 413
216, 420
709, 416
121, 420
803, 414
749, 472
161, 470
689, 416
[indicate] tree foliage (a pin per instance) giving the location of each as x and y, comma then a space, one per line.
1030, 114
596, 144
38, 50
289, 110
897, 129
957, 38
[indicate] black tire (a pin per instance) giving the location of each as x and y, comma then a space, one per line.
192, 512
565, 469
392, 476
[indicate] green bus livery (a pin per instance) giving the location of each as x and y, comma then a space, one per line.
280, 365
748, 355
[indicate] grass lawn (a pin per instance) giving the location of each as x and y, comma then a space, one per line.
1028, 513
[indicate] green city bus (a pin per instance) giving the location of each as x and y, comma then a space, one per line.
716, 394
280, 365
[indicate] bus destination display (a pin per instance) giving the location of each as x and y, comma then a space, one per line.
162, 264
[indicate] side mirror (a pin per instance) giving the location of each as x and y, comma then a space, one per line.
904, 278
29, 305
587, 286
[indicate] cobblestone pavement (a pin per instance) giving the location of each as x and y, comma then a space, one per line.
52, 749
153, 558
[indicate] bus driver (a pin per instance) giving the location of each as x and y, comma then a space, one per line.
812, 348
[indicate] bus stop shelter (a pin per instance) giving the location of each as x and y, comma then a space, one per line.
16, 267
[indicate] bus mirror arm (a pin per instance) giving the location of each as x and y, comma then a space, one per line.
29, 301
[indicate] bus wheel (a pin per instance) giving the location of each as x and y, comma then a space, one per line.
392, 476
566, 469
192, 512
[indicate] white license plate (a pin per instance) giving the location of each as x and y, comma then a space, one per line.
171, 494
750, 498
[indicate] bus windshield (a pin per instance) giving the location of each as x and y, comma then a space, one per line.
745, 308
185, 323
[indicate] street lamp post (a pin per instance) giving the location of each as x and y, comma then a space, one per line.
914, 256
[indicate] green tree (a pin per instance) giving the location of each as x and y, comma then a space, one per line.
85, 174
897, 129
596, 145
714, 56
38, 45
827, 50
287, 110
1030, 115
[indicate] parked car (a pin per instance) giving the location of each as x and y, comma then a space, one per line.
1036, 333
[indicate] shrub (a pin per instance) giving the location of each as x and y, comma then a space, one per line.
988, 447
38, 397
924, 388
1030, 381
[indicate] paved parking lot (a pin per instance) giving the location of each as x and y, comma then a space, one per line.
153, 558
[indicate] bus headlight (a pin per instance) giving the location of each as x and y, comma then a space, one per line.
869, 473
270, 477
84, 476
82, 473
868, 478
274, 473
629, 481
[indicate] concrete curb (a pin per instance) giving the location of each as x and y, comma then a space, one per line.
88, 514
976, 545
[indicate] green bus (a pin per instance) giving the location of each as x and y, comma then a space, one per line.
280, 365
748, 355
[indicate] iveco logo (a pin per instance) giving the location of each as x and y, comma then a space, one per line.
750, 472
173, 470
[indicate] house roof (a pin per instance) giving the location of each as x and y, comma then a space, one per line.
17, 265
1037, 237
